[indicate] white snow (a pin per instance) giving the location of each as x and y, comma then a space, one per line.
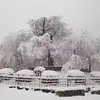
39, 68
95, 73
14, 94
6, 71
25, 72
50, 73
75, 73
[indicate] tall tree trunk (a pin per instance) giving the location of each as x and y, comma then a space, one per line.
51, 38
89, 67
74, 51
43, 26
90, 64
50, 59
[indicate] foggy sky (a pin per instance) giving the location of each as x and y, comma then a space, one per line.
78, 14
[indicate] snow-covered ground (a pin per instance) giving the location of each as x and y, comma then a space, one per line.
14, 94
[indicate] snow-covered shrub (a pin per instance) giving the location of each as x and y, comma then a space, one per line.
6, 74
78, 78
95, 77
95, 73
8, 71
75, 73
75, 77
50, 73
25, 72
38, 70
24, 75
50, 77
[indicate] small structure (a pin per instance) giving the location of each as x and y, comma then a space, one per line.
6, 74
50, 77
38, 70
24, 75
53, 68
75, 77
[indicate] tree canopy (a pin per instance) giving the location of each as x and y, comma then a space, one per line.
50, 42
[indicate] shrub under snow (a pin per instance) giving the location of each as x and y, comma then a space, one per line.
25, 72
50, 77
24, 76
39, 68
95, 73
6, 71
75, 73
50, 73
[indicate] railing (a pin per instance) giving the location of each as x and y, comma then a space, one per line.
48, 81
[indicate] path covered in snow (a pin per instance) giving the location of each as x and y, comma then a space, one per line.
14, 94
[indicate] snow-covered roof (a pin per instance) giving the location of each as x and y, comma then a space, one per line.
39, 68
75, 73
50, 73
7, 71
25, 72
95, 73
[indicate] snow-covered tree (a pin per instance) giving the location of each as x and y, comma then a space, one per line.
49, 43
10, 55
67, 66
87, 48
54, 27
36, 49
76, 62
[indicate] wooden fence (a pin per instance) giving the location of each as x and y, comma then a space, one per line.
48, 81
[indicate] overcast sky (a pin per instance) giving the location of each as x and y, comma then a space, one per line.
78, 14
